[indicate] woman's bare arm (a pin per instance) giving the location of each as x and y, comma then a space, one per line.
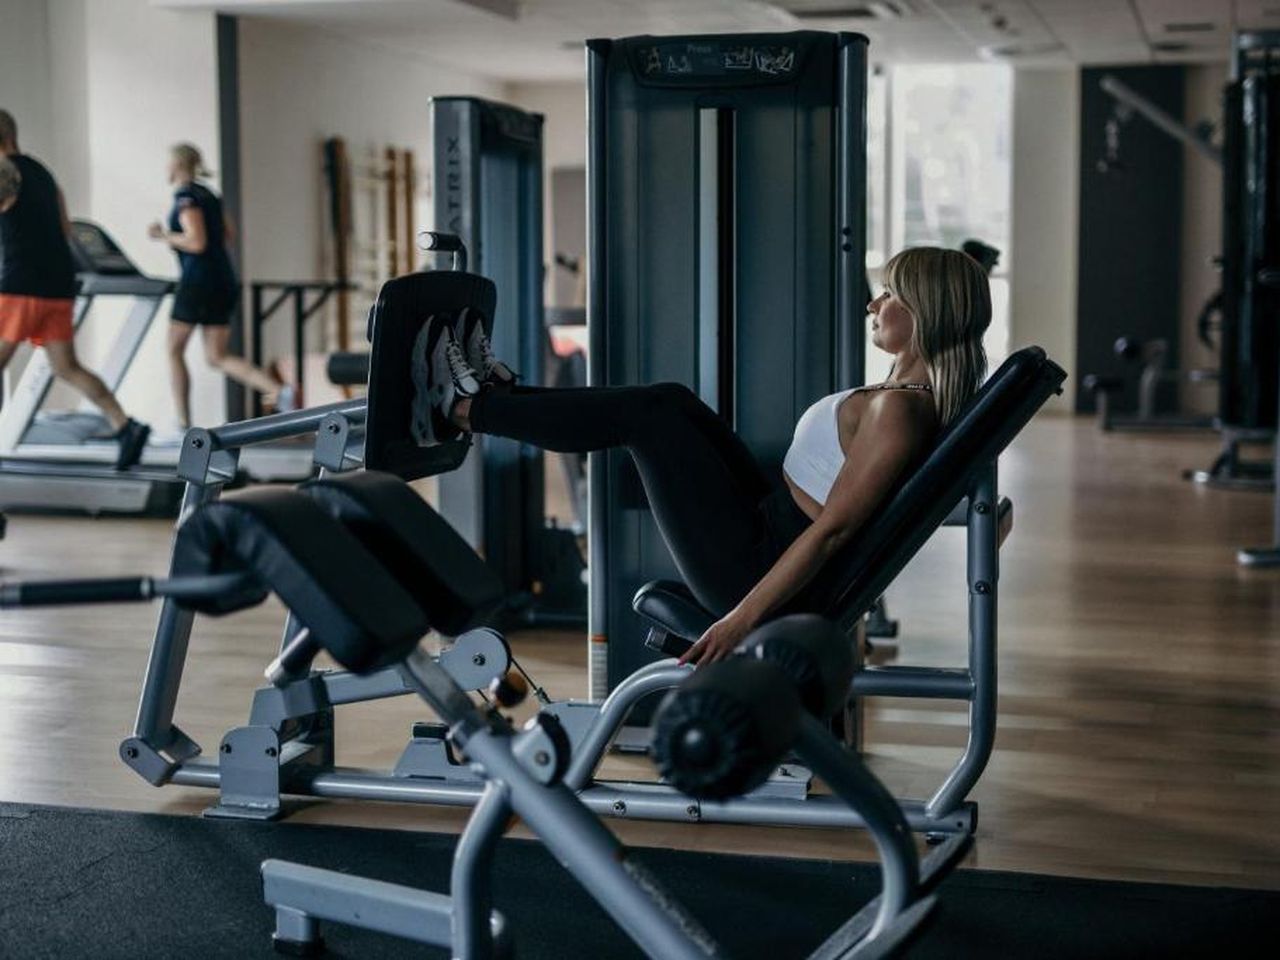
888, 438
192, 238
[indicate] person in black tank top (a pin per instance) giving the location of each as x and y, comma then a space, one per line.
208, 291
38, 286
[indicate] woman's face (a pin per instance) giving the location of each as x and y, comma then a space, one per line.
174, 169
892, 325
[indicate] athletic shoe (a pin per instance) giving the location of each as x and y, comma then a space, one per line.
132, 438
287, 398
441, 377
479, 351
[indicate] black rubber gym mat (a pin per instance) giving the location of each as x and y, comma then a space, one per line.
105, 885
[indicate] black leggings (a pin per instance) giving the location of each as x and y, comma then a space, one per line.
723, 521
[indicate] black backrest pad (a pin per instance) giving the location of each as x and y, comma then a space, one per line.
404, 305
317, 567
418, 546
850, 582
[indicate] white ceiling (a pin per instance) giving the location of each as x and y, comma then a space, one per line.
542, 39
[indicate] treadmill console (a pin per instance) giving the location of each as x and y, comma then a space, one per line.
95, 252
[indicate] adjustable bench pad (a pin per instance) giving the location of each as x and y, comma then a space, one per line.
418, 546
318, 568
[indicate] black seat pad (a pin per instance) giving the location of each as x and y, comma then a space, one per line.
319, 569
852, 580
418, 546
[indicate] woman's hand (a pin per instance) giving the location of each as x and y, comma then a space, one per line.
156, 230
720, 640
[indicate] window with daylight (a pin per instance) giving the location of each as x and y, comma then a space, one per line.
939, 172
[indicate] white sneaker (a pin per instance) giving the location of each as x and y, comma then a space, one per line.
287, 398
479, 351
441, 377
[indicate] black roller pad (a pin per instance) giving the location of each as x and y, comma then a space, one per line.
813, 653
318, 568
418, 546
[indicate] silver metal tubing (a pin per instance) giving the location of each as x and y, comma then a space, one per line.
983, 576
301, 891
854, 783
197, 773
915, 682
579, 841
154, 722
281, 426
470, 878
624, 799
587, 754
341, 686
657, 801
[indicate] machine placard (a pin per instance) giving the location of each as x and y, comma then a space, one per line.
717, 62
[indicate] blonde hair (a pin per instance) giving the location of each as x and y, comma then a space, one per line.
188, 157
949, 297
10, 180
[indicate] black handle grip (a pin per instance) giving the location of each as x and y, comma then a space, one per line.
667, 644
59, 592
444, 242
348, 369
439, 242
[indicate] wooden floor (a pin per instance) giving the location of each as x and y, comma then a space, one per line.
1139, 731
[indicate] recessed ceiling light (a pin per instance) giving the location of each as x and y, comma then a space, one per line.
867, 10
1013, 50
1202, 26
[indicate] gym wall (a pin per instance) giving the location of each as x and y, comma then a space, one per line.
564, 134
299, 85
24, 70
1044, 208
121, 81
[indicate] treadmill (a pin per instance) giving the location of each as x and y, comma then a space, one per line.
64, 461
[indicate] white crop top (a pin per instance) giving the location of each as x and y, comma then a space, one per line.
815, 455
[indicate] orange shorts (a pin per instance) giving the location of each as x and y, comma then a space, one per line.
38, 319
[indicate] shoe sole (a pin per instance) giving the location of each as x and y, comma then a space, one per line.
421, 426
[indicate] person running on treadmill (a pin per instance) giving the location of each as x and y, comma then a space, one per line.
199, 232
38, 287
747, 545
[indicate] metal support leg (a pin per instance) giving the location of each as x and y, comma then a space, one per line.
588, 753
473, 932
983, 576
575, 837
